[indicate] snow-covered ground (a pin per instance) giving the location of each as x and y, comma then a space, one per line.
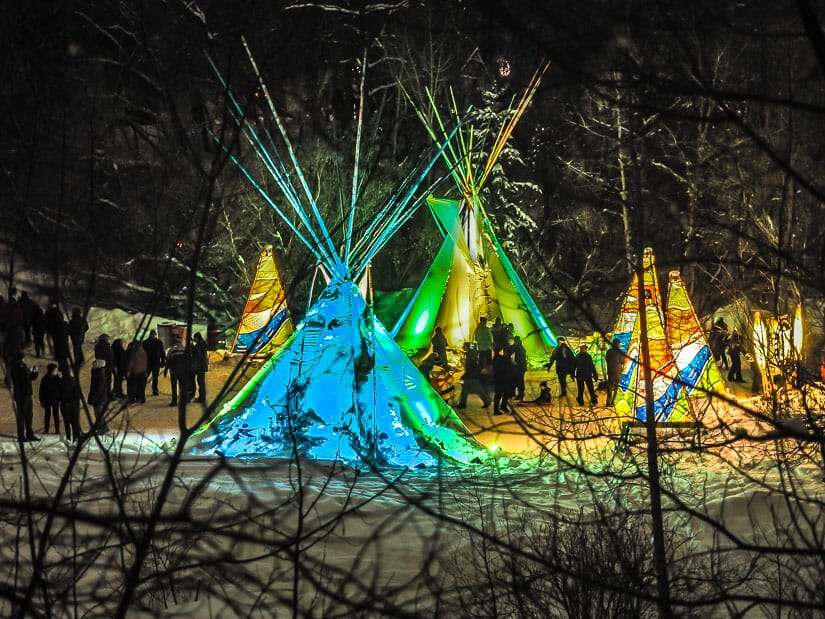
251, 538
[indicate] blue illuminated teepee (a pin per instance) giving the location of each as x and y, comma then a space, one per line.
339, 388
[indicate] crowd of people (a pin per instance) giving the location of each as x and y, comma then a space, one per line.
495, 364
135, 363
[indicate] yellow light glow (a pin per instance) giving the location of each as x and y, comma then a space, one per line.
760, 340
798, 330
493, 448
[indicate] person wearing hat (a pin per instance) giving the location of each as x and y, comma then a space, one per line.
21, 384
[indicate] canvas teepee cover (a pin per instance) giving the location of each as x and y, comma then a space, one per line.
670, 402
265, 323
339, 388
471, 275
691, 351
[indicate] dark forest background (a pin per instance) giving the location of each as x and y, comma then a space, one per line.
695, 128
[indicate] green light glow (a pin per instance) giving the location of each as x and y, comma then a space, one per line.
422, 322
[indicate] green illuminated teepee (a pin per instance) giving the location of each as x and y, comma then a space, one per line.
339, 388
471, 275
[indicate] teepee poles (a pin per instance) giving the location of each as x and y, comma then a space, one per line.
354, 194
332, 254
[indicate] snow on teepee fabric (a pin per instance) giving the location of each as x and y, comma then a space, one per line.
341, 389
670, 401
691, 351
265, 323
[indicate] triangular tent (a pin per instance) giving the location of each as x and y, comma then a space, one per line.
265, 323
670, 401
340, 388
691, 351
471, 275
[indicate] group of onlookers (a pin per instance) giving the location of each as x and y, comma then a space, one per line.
136, 363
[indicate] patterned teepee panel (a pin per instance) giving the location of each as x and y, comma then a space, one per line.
670, 401
265, 324
690, 348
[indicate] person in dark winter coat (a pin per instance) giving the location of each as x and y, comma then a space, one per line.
614, 358
70, 405
200, 366
53, 316
545, 397
77, 332
440, 344
565, 364
156, 358
735, 354
585, 374
49, 395
179, 368
520, 360
60, 338
38, 330
26, 306
103, 351
99, 395
471, 381
503, 379
137, 366
121, 362
21, 382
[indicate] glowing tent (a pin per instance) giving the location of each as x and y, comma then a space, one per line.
670, 401
697, 368
339, 388
471, 275
685, 372
265, 323
777, 347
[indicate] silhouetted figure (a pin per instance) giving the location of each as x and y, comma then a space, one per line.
136, 369
61, 344
49, 396
735, 353
484, 342
99, 395
77, 332
156, 358
179, 368
503, 370
717, 340
200, 366
103, 351
585, 374
563, 358
38, 330
520, 361
21, 384
499, 332
70, 405
614, 359
53, 317
26, 306
471, 380
440, 344
545, 396
121, 362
